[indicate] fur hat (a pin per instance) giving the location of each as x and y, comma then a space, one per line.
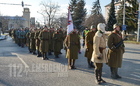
92, 26
116, 25
101, 26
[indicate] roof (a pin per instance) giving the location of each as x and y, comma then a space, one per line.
110, 4
13, 17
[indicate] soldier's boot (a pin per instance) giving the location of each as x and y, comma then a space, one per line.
89, 65
92, 65
43, 56
100, 76
97, 76
46, 56
38, 54
56, 56
116, 73
73, 64
50, 53
113, 75
69, 63
22, 45
60, 52
34, 53
30, 51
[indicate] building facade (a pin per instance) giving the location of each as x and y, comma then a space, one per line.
117, 4
9, 22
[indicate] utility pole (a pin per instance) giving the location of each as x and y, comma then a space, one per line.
138, 32
0, 28
124, 28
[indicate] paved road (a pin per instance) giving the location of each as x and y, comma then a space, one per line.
20, 68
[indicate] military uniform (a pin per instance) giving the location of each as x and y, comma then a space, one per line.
62, 35
28, 41
13, 34
32, 42
72, 42
37, 43
17, 39
99, 52
51, 42
89, 47
10, 32
44, 43
57, 43
115, 55
22, 34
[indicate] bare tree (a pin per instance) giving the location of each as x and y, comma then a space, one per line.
62, 21
94, 20
18, 22
4, 21
48, 11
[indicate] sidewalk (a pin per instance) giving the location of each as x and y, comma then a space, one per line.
3, 36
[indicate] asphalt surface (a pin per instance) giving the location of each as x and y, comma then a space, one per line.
18, 67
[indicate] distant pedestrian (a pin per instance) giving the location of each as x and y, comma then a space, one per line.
84, 35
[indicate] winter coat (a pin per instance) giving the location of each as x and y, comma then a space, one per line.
44, 43
99, 41
32, 41
51, 41
72, 42
27, 39
37, 40
57, 42
89, 44
115, 55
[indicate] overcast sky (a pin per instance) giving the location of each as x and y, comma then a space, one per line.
13, 10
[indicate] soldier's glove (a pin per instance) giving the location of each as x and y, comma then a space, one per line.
68, 47
87, 49
100, 56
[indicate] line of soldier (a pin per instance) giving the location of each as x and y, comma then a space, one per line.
40, 41
18, 35
95, 42
47, 40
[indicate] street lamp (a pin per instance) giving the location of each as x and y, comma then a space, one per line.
138, 32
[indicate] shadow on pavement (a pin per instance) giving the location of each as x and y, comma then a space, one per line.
5, 83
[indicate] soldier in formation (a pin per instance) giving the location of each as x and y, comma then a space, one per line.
58, 39
72, 42
115, 54
37, 42
32, 41
99, 52
44, 42
89, 45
